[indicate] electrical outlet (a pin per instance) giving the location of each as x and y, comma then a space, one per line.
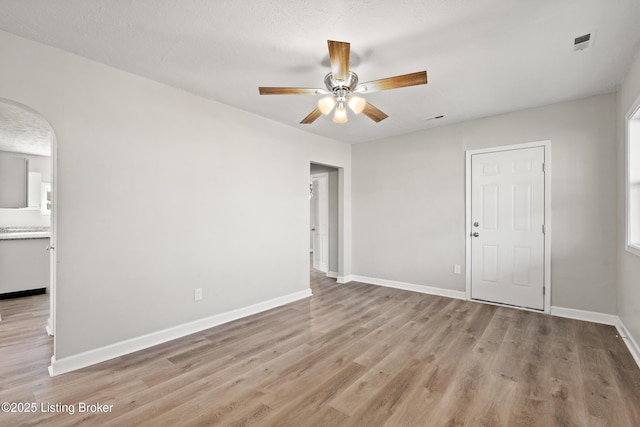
456, 269
197, 294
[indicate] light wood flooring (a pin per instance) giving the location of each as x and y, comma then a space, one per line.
352, 355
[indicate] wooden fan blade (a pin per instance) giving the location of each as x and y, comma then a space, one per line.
374, 113
413, 79
339, 54
311, 117
290, 91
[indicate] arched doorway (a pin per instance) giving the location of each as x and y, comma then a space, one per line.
28, 139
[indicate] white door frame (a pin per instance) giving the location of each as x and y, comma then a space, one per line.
51, 321
547, 216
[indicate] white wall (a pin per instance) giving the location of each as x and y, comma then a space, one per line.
161, 191
409, 203
629, 264
28, 216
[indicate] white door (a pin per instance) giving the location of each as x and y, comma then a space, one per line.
313, 203
320, 227
507, 215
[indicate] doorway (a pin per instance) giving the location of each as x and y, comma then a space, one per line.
324, 219
508, 242
27, 134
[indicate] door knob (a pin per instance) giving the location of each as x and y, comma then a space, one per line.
476, 234
476, 224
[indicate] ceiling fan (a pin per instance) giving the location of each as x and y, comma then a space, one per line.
342, 85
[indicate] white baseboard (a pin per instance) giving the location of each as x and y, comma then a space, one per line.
449, 293
632, 345
91, 357
332, 274
588, 316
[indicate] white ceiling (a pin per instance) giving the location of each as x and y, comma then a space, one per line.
23, 131
483, 57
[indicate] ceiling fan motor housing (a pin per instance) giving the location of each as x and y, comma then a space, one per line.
341, 88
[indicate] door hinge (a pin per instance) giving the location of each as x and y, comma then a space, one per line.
544, 291
543, 230
544, 169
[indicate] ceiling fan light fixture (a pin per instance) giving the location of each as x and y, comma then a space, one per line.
357, 104
326, 104
341, 83
340, 116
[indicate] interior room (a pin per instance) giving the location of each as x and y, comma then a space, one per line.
25, 201
293, 213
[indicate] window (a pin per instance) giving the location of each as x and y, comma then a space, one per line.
633, 179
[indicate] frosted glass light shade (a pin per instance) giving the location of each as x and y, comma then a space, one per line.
326, 104
357, 104
340, 116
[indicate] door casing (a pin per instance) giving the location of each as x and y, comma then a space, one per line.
547, 216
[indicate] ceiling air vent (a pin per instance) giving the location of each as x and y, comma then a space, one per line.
582, 42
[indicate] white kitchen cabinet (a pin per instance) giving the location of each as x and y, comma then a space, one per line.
13, 181
24, 264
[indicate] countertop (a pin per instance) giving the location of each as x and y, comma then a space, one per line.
19, 233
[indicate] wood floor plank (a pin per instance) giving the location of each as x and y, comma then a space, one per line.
385, 400
297, 411
354, 396
495, 394
603, 400
352, 355
626, 377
